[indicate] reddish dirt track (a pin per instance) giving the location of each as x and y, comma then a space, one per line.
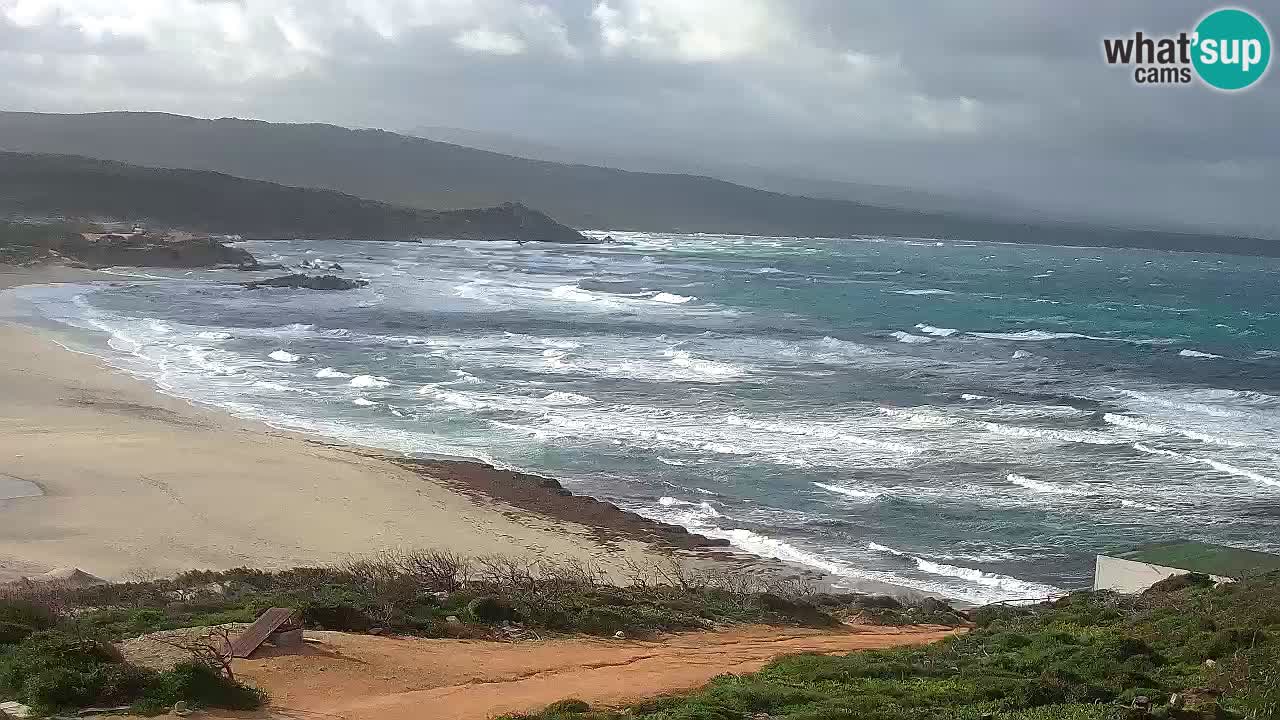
360, 677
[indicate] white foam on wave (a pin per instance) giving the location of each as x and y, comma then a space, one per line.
214, 336
369, 381
906, 337
670, 461
972, 396
566, 398
929, 291
1132, 423
702, 366
672, 298
455, 399
467, 378
821, 431
1188, 402
279, 387
705, 507
363, 402
766, 271
1031, 336
1135, 505
849, 492
284, 356
1021, 355
329, 372
1218, 465
199, 356
1197, 354
1005, 584
1069, 436
1020, 589
935, 331
1039, 485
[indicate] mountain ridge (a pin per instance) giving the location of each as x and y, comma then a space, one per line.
77, 187
415, 172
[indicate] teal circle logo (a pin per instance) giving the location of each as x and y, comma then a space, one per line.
1231, 49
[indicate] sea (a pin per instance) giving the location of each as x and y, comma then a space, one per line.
971, 419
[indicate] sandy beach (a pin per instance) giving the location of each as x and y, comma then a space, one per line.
135, 482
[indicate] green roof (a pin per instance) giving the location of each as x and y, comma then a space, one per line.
1205, 558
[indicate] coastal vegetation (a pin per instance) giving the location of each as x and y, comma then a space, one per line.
1184, 649
57, 652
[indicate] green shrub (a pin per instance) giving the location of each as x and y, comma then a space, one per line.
337, 617
490, 609
199, 686
50, 670
572, 706
1084, 657
12, 633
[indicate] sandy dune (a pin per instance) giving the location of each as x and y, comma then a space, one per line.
359, 677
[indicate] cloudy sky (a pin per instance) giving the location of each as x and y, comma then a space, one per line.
980, 96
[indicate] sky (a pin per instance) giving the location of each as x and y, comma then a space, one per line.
976, 97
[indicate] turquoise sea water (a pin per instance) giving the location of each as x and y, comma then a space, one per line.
971, 419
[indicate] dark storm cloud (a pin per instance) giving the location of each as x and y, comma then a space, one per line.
1004, 97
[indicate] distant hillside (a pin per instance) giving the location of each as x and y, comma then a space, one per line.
76, 187
422, 173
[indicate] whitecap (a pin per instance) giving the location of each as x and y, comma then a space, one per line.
369, 381
1218, 465
329, 372
1131, 423
971, 396
1073, 436
706, 508
283, 356
1039, 485
672, 299
849, 492
363, 402
211, 335
670, 461
701, 366
1030, 335
1020, 355
1020, 589
566, 398
1141, 506
1196, 354
275, 386
906, 337
929, 291
935, 331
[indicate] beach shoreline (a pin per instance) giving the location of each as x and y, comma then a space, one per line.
133, 481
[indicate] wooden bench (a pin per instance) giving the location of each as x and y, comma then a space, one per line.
270, 622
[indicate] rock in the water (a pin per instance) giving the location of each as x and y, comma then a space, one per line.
310, 282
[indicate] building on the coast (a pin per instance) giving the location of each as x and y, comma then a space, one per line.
1137, 570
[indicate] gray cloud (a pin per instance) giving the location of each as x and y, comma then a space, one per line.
997, 97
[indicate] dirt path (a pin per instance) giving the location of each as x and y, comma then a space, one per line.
358, 677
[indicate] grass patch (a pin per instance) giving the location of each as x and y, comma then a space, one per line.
1085, 657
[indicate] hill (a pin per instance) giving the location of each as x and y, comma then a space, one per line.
421, 173
67, 186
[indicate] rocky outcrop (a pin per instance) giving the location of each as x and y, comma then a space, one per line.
147, 249
309, 282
